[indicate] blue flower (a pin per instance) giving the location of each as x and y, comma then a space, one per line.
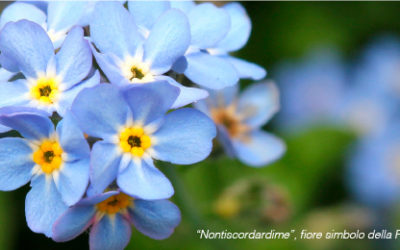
56, 18
110, 216
312, 90
128, 55
56, 162
135, 130
51, 80
239, 121
373, 169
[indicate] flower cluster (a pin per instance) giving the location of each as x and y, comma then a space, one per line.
96, 91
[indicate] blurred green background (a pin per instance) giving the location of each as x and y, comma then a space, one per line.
305, 189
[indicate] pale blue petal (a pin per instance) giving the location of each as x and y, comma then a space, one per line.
18, 11
187, 95
14, 93
259, 149
43, 205
247, 70
210, 71
4, 129
74, 60
185, 137
73, 223
113, 30
26, 45
184, 6
68, 96
146, 13
150, 101
107, 64
258, 103
30, 123
144, 181
110, 233
73, 180
156, 219
104, 164
100, 110
208, 25
62, 15
5, 75
240, 28
15, 163
168, 40
223, 97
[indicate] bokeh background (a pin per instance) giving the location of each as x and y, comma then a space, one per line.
323, 182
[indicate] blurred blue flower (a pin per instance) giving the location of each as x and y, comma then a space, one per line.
374, 168
127, 55
312, 90
55, 161
239, 121
51, 80
56, 17
110, 216
135, 130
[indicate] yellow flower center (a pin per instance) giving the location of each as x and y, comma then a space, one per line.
115, 203
134, 140
45, 90
48, 156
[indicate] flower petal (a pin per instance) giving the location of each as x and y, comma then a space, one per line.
246, 70
187, 95
208, 25
184, 6
62, 15
150, 101
72, 223
5, 75
259, 149
73, 180
67, 97
168, 40
185, 137
15, 163
30, 123
14, 93
210, 71
18, 11
74, 60
100, 110
258, 103
93, 200
104, 164
144, 181
110, 233
26, 45
240, 28
43, 205
146, 13
156, 219
113, 29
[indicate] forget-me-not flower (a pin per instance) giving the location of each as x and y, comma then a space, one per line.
239, 120
57, 18
127, 56
51, 80
55, 161
110, 215
135, 130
